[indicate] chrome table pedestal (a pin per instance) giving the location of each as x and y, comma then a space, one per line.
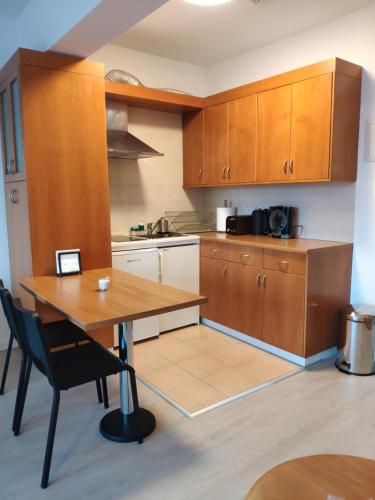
119, 425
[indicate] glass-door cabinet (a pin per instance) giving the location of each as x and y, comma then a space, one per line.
11, 131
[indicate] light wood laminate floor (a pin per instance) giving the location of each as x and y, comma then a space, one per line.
218, 455
197, 368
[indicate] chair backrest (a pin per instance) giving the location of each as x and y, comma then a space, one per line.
30, 324
8, 308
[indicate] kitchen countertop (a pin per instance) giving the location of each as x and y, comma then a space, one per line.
294, 245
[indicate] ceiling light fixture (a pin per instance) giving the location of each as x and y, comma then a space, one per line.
208, 3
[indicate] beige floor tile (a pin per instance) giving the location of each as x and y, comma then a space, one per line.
169, 377
173, 350
195, 396
234, 354
231, 382
267, 368
222, 336
201, 366
206, 344
186, 334
146, 361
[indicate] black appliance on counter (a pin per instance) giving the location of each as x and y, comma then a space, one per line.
281, 221
238, 224
259, 222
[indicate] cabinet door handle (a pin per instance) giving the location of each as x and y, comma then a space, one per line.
285, 166
14, 196
228, 171
264, 278
200, 173
7, 168
213, 250
224, 171
258, 280
225, 270
291, 166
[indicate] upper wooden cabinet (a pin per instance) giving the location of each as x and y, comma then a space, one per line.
294, 131
274, 110
242, 132
310, 131
215, 134
193, 148
11, 130
229, 138
300, 126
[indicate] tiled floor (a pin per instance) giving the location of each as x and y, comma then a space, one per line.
198, 367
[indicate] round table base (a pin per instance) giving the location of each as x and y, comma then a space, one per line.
116, 426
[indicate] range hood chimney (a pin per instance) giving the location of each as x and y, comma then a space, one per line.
121, 143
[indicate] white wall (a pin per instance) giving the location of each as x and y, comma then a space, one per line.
326, 211
142, 190
154, 71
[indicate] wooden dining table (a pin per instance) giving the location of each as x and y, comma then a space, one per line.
128, 298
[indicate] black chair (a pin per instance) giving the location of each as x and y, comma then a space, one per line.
57, 334
68, 368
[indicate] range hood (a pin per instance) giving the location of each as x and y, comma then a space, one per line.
120, 142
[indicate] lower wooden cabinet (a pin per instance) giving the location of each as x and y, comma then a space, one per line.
287, 299
283, 310
244, 299
214, 284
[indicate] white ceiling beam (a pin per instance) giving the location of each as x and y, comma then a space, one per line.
104, 23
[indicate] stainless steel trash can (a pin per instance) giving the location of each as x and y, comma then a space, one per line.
356, 345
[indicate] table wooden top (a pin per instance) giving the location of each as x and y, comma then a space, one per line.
300, 245
317, 477
128, 297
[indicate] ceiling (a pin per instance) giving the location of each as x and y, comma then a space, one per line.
207, 35
12, 8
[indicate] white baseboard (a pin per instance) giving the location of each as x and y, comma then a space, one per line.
298, 360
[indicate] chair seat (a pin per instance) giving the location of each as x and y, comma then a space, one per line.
59, 333
82, 364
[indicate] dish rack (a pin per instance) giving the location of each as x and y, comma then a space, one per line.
193, 221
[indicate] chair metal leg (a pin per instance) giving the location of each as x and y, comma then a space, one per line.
105, 392
99, 391
6, 364
19, 388
133, 385
25, 385
51, 438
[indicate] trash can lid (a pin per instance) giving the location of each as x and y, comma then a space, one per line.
359, 312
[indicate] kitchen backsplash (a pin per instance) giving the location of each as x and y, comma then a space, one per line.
325, 211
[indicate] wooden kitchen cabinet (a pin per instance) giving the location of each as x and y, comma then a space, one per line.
283, 299
11, 129
229, 142
299, 126
242, 133
244, 299
63, 201
193, 148
310, 135
274, 115
16, 201
215, 144
214, 284
294, 131
285, 293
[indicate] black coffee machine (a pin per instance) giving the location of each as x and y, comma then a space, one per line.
259, 222
280, 221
